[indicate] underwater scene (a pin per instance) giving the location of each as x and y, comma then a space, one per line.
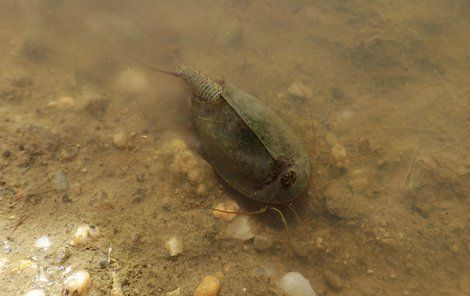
286, 148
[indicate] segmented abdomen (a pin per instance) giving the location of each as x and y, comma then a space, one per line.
203, 87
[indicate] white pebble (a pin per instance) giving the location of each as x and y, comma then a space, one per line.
174, 247
175, 292
43, 242
35, 292
77, 284
84, 233
299, 90
295, 284
210, 286
262, 242
240, 229
120, 140
338, 152
339, 155
63, 103
3, 262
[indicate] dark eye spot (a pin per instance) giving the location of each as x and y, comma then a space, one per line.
288, 178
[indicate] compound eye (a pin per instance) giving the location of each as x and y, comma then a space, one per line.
288, 178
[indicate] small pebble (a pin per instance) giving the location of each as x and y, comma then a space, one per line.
62, 254
240, 229
3, 262
301, 248
331, 139
120, 140
62, 181
210, 286
381, 163
77, 284
174, 247
66, 198
320, 242
140, 178
76, 189
35, 292
84, 233
201, 190
299, 90
333, 280
229, 206
266, 269
358, 184
175, 292
63, 103
262, 242
295, 284
338, 153
67, 154
363, 145
43, 242
455, 247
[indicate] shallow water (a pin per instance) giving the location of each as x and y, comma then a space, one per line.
89, 135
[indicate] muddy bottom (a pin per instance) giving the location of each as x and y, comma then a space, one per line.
101, 166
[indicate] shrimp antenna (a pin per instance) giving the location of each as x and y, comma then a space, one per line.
172, 73
262, 210
297, 217
283, 219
